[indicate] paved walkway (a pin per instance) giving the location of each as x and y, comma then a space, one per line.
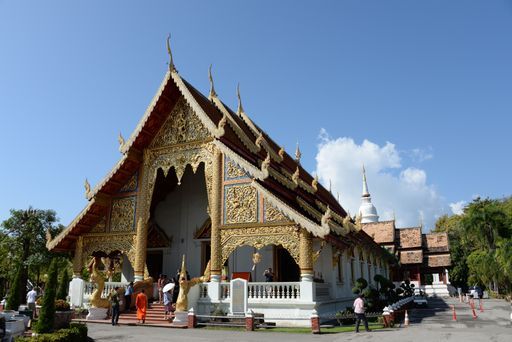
431, 324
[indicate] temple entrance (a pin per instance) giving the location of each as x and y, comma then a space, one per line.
178, 211
154, 261
286, 269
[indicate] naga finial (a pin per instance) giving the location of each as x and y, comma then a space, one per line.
240, 108
314, 183
212, 88
296, 176
171, 62
121, 141
87, 187
281, 153
265, 166
259, 140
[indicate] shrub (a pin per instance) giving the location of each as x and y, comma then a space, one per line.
13, 301
75, 333
47, 316
346, 317
61, 305
62, 292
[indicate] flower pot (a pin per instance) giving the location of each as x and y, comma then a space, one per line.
62, 319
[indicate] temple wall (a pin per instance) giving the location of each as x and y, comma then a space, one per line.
241, 261
180, 214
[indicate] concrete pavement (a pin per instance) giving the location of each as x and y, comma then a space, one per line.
431, 324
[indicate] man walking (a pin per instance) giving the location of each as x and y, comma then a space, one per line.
114, 301
31, 301
128, 297
359, 311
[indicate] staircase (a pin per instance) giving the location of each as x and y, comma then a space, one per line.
154, 316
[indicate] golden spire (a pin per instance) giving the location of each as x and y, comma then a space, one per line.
212, 89
183, 272
171, 62
240, 109
298, 154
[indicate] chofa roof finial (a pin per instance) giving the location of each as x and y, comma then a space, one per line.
240, 108
171, 62
212, 88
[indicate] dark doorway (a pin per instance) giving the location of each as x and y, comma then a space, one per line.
154, 260
286, 267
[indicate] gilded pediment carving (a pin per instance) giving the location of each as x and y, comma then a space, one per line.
181, 126
122, 217
241, 204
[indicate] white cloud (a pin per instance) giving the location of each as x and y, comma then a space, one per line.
458, 207
394, 189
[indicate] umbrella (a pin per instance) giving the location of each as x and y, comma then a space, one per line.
168, 287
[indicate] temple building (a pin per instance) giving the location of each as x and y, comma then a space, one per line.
424, 258
196, 178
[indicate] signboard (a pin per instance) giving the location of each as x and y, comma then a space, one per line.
238, 290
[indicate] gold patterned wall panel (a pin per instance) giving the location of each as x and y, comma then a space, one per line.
232, 171
181, 126
122, 215
100, 226
259, 237
131, 185
107, 243
272, 214
240, 204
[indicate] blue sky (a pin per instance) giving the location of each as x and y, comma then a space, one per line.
431, 78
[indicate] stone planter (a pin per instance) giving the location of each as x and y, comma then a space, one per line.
62, 319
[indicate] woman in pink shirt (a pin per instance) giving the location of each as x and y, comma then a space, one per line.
359, 311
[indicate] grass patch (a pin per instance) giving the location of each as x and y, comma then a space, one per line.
299, 330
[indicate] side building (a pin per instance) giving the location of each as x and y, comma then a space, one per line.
424, 259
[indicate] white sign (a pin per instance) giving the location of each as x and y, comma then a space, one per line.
238, 291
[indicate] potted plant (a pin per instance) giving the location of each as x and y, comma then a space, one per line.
63, 314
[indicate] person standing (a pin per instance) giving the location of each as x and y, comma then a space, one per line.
114, 302
269, 275
167, 304
31, 300
359, 311
141, 302
161, 284
128, 296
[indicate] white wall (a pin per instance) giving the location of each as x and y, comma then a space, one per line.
180, 215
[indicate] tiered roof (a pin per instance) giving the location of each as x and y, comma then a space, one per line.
282, 180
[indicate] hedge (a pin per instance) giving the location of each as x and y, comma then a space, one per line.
75, 333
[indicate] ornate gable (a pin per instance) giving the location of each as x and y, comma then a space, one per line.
182, 125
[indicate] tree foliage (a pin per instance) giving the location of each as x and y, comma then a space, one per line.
481, 244
62, 292
14, 300
47, 316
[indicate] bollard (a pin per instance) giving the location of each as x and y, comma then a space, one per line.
406, 319
249, 321
315, 322
192, 319
474, 313
454, 316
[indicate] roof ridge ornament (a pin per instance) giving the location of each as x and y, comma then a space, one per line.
121, 141
259, 139
265, 167
281, 153
314, 183
240, 108
212, 88
87, 186
171, 62
298, 154
296, 176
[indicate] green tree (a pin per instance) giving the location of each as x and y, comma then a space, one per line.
62, 292
47, 317
27, 230
14, 300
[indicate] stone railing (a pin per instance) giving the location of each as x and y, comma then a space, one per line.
278, 291
109, 286
224, 291
203, 291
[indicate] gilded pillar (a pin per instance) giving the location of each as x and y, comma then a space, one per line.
78, 258
306, 255
215, 212
140, 249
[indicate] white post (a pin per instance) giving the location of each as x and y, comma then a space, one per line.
76, 291
447, 279
214, 288
307, 288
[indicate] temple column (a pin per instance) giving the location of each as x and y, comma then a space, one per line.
140, 249
78, 258
215, 212
306, 255
77, 284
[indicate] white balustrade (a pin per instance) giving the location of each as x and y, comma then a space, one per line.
278, 291
109, 286
203, 291
224, 291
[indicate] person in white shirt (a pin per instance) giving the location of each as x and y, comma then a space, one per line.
31, 300
359, 311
